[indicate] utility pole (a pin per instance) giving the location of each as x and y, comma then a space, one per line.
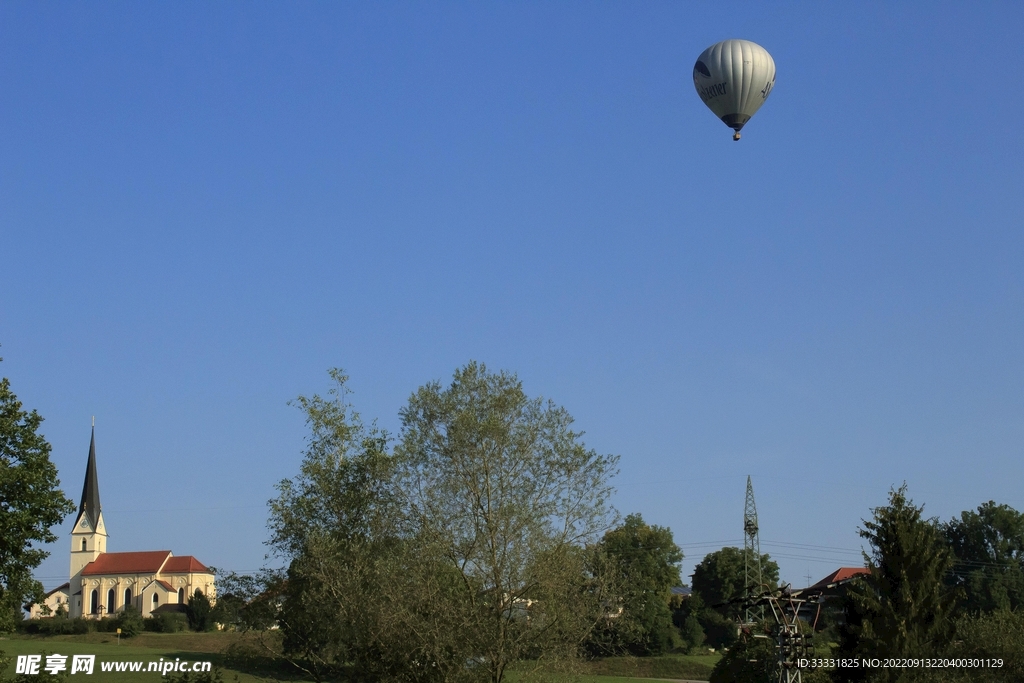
752, 558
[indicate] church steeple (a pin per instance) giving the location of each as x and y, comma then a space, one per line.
90, 504
89, 537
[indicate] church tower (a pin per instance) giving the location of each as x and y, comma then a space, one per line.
89, 538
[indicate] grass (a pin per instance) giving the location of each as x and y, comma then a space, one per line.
145, 647
213, 647
691, 667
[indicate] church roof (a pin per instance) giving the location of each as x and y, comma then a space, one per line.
146, 562
184, 564
90, 504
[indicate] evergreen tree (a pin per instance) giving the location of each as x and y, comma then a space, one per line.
903, 607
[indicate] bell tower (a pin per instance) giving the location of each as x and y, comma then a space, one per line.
89, 537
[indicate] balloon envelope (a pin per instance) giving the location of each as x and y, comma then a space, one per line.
734, 78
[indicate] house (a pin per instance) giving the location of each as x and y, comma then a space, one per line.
102, 583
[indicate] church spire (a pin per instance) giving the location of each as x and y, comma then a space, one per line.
91, 491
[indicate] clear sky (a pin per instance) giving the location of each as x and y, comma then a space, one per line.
204, 206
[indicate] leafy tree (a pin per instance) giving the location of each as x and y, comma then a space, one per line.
338, 525
32, 503
989, 549
902, 608
464, 545
508, 494
644, 561
691, 632
996, 635
248, 602
720, 578
197, 610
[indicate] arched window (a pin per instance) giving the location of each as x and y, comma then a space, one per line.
156, 599
83, 545
181, 595
94, 603
127, 596
110, 601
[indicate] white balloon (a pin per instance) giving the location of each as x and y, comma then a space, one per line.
734, 78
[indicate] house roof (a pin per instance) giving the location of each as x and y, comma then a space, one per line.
63, 587
681, 590
841, 575
183, 564
146, 562
90, 504
166, 585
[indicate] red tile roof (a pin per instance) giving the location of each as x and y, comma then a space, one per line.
840, 575
166, 585
184, 564
148, 562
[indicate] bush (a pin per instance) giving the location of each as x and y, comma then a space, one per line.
167, 622
130, 622
55, 626
749, 660
106, 624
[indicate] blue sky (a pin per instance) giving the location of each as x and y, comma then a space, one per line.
205, 206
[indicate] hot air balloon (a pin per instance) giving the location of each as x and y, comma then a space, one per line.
734, 78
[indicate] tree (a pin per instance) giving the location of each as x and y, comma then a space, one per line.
197, 610
337, 524
720, 578
465, 544
644, 562
902, 608
31, 503
508, 495
989, 549
248, 602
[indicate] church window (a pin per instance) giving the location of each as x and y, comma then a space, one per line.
83, 545
110, 601
156, 599
94, 603
127, 596
181, 595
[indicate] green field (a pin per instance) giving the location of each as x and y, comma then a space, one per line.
152, 647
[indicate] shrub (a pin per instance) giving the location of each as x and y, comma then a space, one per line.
130, 622
106, 624
55, 626
167, 622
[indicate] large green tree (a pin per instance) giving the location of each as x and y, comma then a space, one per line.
989, 549
643, 563
720, 579
506, 491
467, 543
903, 607
31, 503
338, 526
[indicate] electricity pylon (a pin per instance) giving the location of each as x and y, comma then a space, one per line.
752, 557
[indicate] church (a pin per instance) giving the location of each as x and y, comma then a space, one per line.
103, 583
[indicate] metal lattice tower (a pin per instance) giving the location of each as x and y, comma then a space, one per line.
751, 555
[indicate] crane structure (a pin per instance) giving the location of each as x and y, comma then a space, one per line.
752, 558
